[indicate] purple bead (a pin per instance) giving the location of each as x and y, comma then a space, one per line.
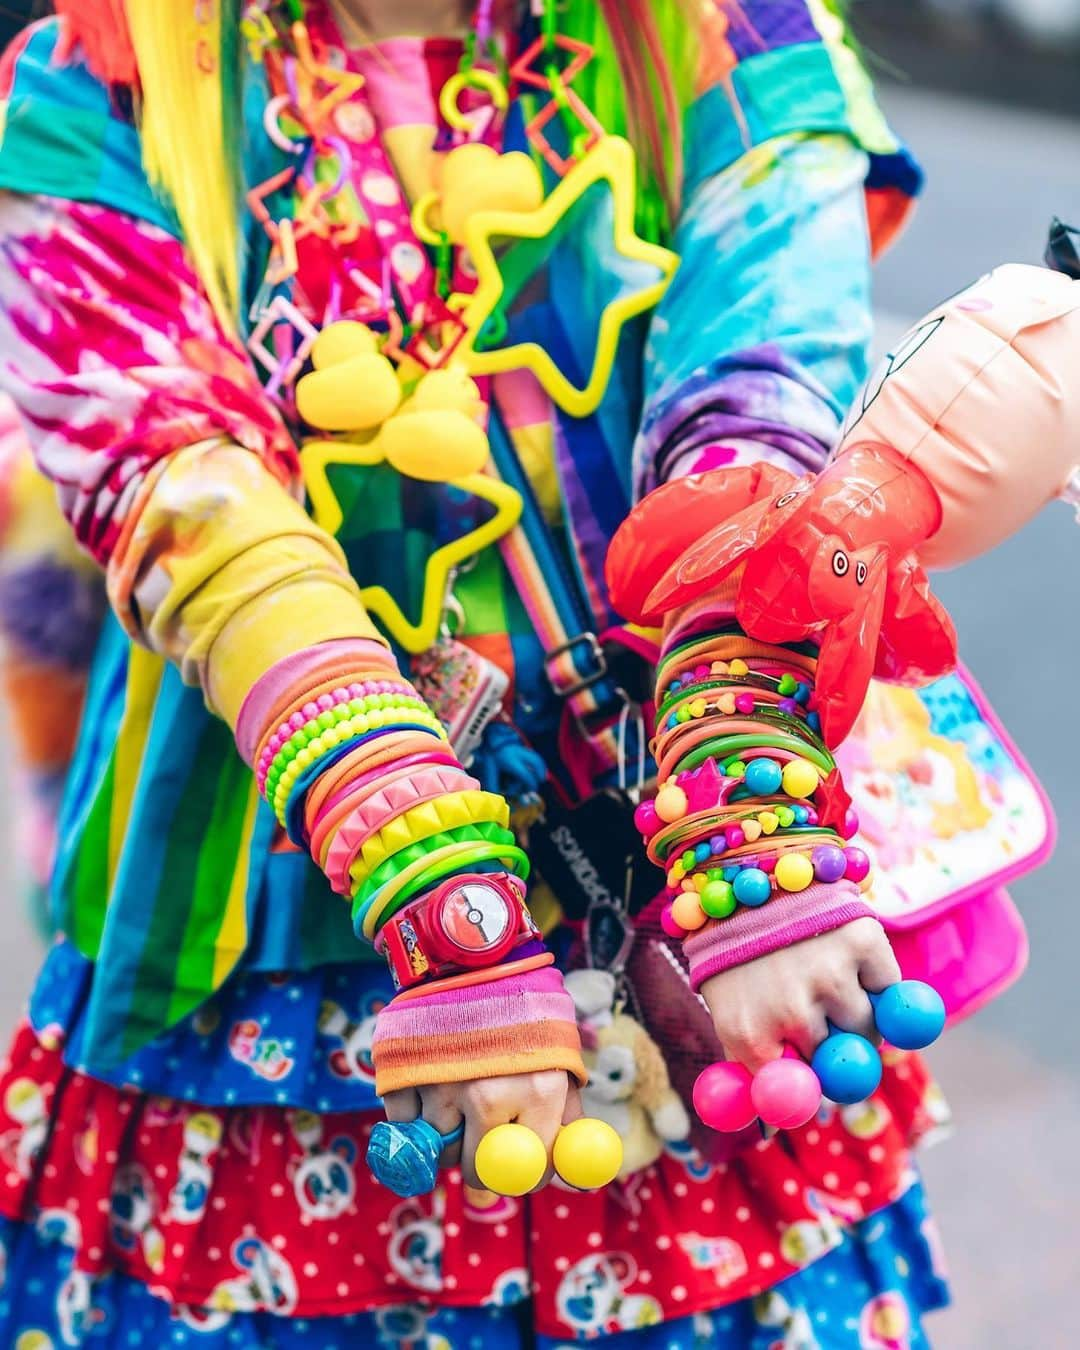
851, 824
829, 862
789, 706
717, 844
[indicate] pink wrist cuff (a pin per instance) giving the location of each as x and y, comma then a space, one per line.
522, 1024
790, 916
294, 671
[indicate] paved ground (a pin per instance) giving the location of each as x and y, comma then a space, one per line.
1007, 1187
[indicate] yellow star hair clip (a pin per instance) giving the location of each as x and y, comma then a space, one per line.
433, 436
610, 163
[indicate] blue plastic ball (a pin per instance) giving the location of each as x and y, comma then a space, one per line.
752, 886
848, 1066
910, 1015
702, 853
404, 1157
763, 777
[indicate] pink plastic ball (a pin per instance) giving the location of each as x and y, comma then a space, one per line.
735, 837
851, 824
646, 821
786, 1093
668, 924
722, 1097
858, 865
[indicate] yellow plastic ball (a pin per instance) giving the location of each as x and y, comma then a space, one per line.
511, 1160
435, 446
353, 395
671, 803
687, 912
588, 1154
341, 342
450, 389
509, 182
794, 871
801, 779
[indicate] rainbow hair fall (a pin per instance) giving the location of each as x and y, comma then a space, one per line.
182, 60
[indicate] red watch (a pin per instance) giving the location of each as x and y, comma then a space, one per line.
465, 923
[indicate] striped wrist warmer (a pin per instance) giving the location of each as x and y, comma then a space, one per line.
789, 916
522, 1024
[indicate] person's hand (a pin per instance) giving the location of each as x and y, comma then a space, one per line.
791, 994
543, 1101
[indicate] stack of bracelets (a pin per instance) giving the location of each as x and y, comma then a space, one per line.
361, 773
739, 759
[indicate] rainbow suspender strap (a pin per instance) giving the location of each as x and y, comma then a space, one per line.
574, 660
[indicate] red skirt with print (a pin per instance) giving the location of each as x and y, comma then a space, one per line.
278, 1205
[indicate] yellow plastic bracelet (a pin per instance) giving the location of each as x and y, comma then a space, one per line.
392, 888
421, 822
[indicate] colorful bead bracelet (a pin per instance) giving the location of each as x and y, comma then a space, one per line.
717, 894
342, 735
420, 822
325, 703
370, 707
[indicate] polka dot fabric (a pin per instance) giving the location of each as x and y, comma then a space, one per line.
272, 1210
868, 1294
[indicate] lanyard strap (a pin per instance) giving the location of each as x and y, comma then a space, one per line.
573, 658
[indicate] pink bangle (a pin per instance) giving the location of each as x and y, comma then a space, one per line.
361, 794
427, 785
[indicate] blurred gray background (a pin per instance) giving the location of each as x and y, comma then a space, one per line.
988, 94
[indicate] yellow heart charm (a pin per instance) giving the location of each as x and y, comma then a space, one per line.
351, 395
738, 667
767, 821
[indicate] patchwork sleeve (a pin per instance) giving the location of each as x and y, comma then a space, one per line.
172, 465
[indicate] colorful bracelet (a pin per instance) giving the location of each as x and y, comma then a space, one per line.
392, 897
336, 675
292, 806
354, 718
420, 822
343, 737
342, 824
469, 978
483, 832
325, 710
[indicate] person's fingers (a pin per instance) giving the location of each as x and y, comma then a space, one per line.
573, 1110
805, 1028
754, 1047
849, 1009
403, 1105
542, 1110
440, 1109
486, 1104
878, 967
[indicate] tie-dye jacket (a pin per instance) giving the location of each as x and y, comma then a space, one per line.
180, 475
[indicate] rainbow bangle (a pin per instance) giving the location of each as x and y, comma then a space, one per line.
373, 709
397, 893
484, 832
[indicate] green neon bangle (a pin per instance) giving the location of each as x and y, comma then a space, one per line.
482, 832
723, 747
515, 858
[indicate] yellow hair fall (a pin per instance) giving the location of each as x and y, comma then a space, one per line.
187, 60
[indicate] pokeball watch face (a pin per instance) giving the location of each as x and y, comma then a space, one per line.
475, 920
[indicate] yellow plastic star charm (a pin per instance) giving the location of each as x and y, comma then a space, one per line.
326, 511
612, 162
